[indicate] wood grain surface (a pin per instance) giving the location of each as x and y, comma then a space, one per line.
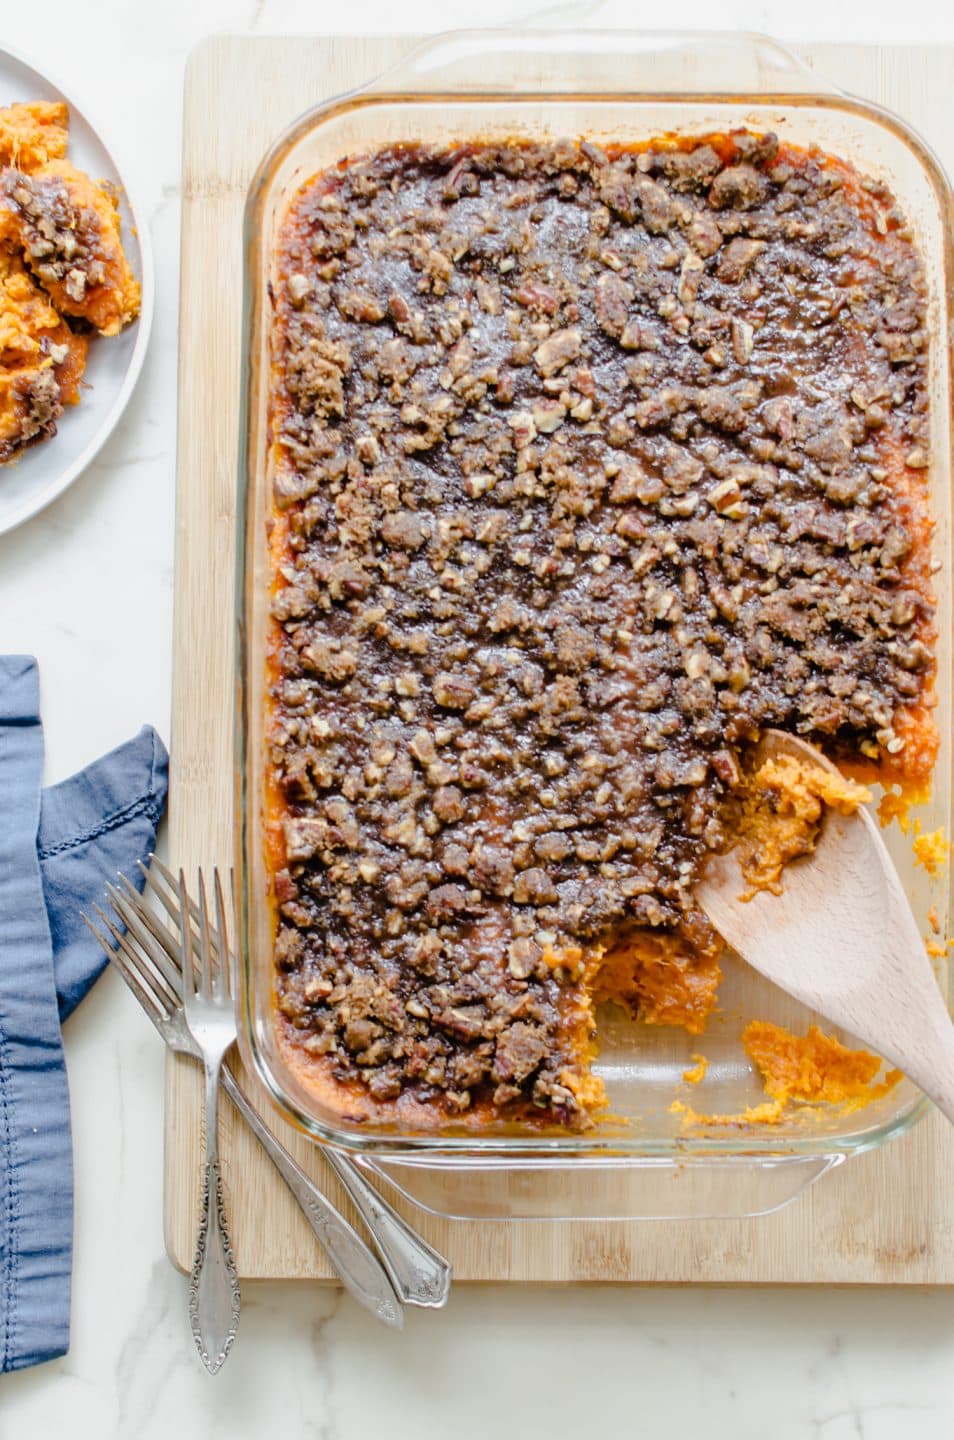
885, 1217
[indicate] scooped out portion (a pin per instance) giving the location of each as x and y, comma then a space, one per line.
660, 977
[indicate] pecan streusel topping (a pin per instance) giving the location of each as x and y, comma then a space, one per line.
588, 465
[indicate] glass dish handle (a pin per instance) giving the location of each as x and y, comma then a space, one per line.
558, 61
581, 1187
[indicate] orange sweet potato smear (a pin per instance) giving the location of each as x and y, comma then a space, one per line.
932, 849
813, 1067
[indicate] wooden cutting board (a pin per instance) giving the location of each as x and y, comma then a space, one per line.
886, 1217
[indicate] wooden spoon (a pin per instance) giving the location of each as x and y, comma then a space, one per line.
842, 939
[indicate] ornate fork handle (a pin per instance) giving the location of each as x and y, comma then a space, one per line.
349, 1255
214, 1299
419, 1274
150, 966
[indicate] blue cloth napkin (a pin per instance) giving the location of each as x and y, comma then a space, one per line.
57, 848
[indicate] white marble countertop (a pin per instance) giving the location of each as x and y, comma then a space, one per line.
834, 1365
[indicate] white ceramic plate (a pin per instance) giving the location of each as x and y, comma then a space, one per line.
45, 470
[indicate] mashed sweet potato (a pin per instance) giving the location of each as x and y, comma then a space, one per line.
661, 977
780, 814
33, 134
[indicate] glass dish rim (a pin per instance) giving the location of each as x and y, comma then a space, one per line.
391, 1143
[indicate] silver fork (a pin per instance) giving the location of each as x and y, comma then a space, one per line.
214, 1299
150, 970
420, 1275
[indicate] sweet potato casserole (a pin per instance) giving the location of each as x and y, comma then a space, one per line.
588, 464
63, 273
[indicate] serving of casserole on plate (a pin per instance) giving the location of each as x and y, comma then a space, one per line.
589, 458
68, 225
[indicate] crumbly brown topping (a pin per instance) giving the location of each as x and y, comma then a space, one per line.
59, 238
588, 465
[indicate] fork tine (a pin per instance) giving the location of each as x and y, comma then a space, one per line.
139, 980
118, 959
155, 939
233, 898
137, 957
169, 900
205, 944
111, 951
168, 893
185, 932
166, 937
156, 864
97, 933
223, 968
158, 878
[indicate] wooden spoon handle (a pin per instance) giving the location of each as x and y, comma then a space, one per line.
930, 1061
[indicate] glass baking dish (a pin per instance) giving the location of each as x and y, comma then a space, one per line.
622, 86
